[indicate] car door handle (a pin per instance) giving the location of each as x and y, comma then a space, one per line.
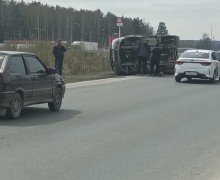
34, 78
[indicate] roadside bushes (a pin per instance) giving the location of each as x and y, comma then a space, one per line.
81, 62
76, 61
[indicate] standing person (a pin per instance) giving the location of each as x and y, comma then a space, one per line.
58, 52
155, 60
143, 53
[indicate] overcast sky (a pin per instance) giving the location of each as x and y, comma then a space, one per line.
188, 19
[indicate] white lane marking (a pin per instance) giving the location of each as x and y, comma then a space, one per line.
100, 81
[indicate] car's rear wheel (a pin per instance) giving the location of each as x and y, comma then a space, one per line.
16, 105
214, 77
57, 100
177, 79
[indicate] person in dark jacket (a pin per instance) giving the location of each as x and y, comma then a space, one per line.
143, 52
58, 52
155, 60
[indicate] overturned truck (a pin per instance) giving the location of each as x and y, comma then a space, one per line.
123, 52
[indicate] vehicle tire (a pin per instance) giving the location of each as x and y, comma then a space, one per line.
16, 105
177, 79
214, 78
57, 100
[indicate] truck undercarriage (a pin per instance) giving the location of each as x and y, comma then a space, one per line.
123, 52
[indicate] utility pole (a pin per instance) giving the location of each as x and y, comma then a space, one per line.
2, 19
119, 31
38, 26
52, 35
90, 35
59, 25
212, 35
71, 28
20, 33
67, 28
98, 30
83, 27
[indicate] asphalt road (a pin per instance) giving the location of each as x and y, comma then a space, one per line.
136, 128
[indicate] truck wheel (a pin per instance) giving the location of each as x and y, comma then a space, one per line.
57, 100
16, 105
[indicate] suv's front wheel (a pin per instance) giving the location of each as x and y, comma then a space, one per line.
57, 100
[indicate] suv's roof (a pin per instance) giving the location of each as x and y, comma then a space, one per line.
15, 53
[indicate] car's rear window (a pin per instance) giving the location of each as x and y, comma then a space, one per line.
1, 60
181, 50
201, 55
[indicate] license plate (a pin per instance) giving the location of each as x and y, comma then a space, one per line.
191, 73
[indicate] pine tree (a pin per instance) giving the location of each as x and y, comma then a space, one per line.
162, 29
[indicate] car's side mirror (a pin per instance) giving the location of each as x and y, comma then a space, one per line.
52, 71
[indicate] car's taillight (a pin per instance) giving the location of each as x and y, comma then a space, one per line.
179, 62
206, 63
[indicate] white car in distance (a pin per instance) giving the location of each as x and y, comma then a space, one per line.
197, 63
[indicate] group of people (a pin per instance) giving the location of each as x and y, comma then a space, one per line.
144, 54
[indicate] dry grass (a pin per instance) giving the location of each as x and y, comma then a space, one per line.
76, 61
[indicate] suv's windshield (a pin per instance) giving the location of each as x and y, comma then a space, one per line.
201, 55
1, 60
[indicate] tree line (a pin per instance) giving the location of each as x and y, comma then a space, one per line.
37, 21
